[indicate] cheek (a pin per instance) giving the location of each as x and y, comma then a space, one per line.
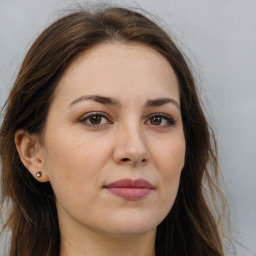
74, 169
169, 161
68, 155
72, 166
170, 156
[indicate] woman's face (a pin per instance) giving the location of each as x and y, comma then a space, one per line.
114, 147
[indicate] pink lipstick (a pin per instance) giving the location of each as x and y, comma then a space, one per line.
130, 189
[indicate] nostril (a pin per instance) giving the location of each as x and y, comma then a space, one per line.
125, 159
129, 160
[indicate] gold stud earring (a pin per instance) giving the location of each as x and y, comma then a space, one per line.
39, 174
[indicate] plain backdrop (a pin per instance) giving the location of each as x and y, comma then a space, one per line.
219, 37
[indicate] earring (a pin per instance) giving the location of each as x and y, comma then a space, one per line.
39, 174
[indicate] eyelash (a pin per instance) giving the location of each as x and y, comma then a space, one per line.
93, 114
170, 121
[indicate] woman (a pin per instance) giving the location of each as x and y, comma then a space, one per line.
105, 149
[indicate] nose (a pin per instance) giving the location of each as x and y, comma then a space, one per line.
131, 148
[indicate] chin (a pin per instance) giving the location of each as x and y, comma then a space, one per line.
134, 224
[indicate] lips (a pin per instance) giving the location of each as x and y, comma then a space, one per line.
130, 189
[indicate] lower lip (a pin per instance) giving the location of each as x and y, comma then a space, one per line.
130, 193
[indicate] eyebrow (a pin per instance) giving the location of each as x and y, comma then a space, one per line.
99, 99
115, 102
161, 101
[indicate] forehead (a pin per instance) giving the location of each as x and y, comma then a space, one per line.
119, 70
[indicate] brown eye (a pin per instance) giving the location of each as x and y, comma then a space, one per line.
95, 120
156, 120
160, 120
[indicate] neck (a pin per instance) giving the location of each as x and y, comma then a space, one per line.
92, 243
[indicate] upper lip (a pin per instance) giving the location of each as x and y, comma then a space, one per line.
129, 183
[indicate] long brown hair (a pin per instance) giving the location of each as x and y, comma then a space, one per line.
28, 206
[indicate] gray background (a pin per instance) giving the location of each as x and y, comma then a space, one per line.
219, 36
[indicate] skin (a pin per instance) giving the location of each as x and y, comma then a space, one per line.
79, 158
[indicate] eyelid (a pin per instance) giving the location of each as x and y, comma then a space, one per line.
94, 113
169, 118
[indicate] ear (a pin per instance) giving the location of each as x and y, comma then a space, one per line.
28, 147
